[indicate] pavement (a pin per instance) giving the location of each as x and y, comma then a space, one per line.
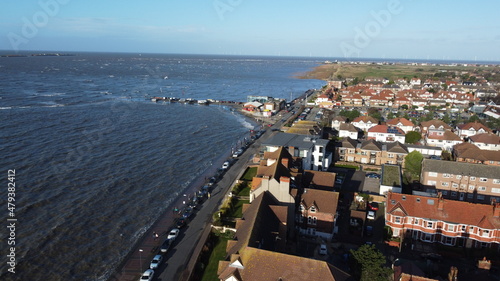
174, 265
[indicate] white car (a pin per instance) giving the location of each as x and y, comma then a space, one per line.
173, 234
155, 262
147, 275
322, 249
371, 215
225, 166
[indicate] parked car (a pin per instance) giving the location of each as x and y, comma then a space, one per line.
237, 153
180, 223
322, 249
173, 234
371, 215
369, 230
373, 175
155, 262
373, 206
166, 245
147, 275
187, 213
225, 166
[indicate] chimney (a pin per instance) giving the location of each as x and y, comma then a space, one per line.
496, 210
285, 161
440, 201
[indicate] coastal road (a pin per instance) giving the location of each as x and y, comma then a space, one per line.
179, 255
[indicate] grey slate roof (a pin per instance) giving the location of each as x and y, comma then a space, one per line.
461, 168
295, 140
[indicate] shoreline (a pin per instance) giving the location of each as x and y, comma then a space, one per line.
166, 219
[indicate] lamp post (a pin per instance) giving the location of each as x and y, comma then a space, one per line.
140, 259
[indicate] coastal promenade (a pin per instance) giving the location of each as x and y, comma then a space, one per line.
174, 266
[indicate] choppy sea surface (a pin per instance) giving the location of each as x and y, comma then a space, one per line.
96, 162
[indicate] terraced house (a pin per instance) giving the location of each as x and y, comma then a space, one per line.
462, 181
448, 222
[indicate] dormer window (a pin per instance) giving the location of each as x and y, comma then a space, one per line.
312, 209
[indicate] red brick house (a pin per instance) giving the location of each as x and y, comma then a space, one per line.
448, 222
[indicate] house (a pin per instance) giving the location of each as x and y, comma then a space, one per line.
252, 107
424, 149
337, 121
347, 130
402, 123
433, 127
317, 212
445, 140
400, 101
364, 122
439, 220
487, 141
471, 129
372, 152
311, 149
470, 153
386, 133
462, 181
258, 249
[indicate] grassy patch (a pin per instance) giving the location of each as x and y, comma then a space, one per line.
218, 254
347, 166
237, 209
390, 176
249, 174
244, 192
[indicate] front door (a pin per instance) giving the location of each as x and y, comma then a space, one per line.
462, 195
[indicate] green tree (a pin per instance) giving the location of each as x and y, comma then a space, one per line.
390, 115
413, 165
367, 264
473, 118
412, 137
351, 114
446, 118
404, 106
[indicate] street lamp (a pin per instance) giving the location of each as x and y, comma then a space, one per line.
140, 259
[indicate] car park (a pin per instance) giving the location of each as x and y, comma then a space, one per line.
173, 234
147, 275
370, 215
165, 246
155, 262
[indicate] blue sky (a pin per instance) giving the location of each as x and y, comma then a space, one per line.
370, 29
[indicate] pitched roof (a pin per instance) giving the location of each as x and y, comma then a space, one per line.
397, 147
260, 265
447, 135
348, 127
460, 168
384, 129
401, 120
349, 143
452, 211
365, 119
486, 138
325, 201
340, 118
436, 123
371, 144
318, 179
474, 125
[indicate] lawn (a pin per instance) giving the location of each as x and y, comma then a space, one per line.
249, 174
391, 176
237, 209
218, 254
244, 192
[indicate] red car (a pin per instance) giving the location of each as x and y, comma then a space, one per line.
373, 206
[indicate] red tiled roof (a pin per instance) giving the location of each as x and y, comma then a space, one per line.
384, 129
447, 135
365, 119
453, 211
402, 120
474, 125
486, 138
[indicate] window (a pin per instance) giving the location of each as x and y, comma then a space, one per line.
455, 185
415, 221
480, 197
444, 192
472, 187
453, 193
446, 175
496, 181
397, 219
482, 188
309, 220
418, 200
495, 190
301, 208
472, 178
486, 233
429, 224
459, 177
445, 183
483, 179
470, 195
433, 174
314, 219
451, 227
463, 228
312, 209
